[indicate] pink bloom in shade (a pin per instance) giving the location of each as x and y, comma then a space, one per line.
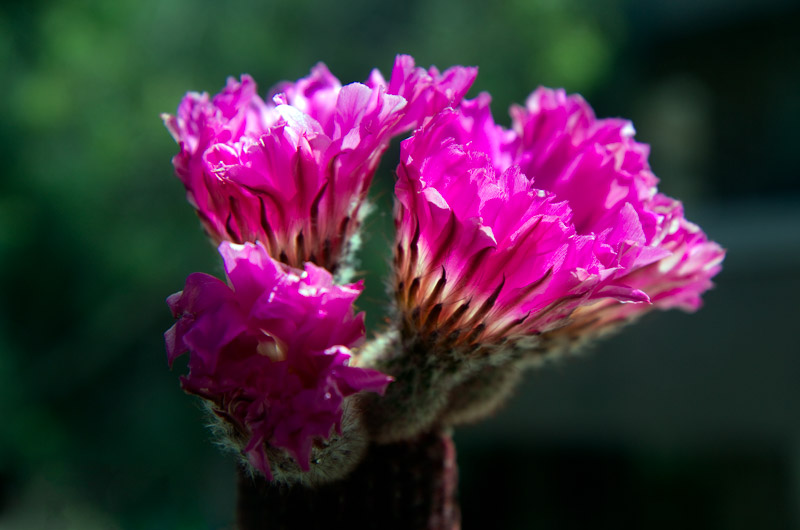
294, 171
505, 233
598, 168
676, 281
270, 350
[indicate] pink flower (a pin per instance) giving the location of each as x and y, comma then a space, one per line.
293, 172
506, 233
270, 350
598, 168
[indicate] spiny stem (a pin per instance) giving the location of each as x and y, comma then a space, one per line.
409, 485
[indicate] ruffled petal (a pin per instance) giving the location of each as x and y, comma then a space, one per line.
270, 350
292, 173
511, 232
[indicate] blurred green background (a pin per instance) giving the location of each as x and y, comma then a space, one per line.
679, 422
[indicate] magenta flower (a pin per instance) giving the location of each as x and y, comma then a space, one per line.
597, 167
505, 234
293, 172
512, 245
270, 351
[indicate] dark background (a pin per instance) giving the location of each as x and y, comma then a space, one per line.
681, 421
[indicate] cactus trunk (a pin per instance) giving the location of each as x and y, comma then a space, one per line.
409, 485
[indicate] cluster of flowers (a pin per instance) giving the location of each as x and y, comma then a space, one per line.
510, 243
